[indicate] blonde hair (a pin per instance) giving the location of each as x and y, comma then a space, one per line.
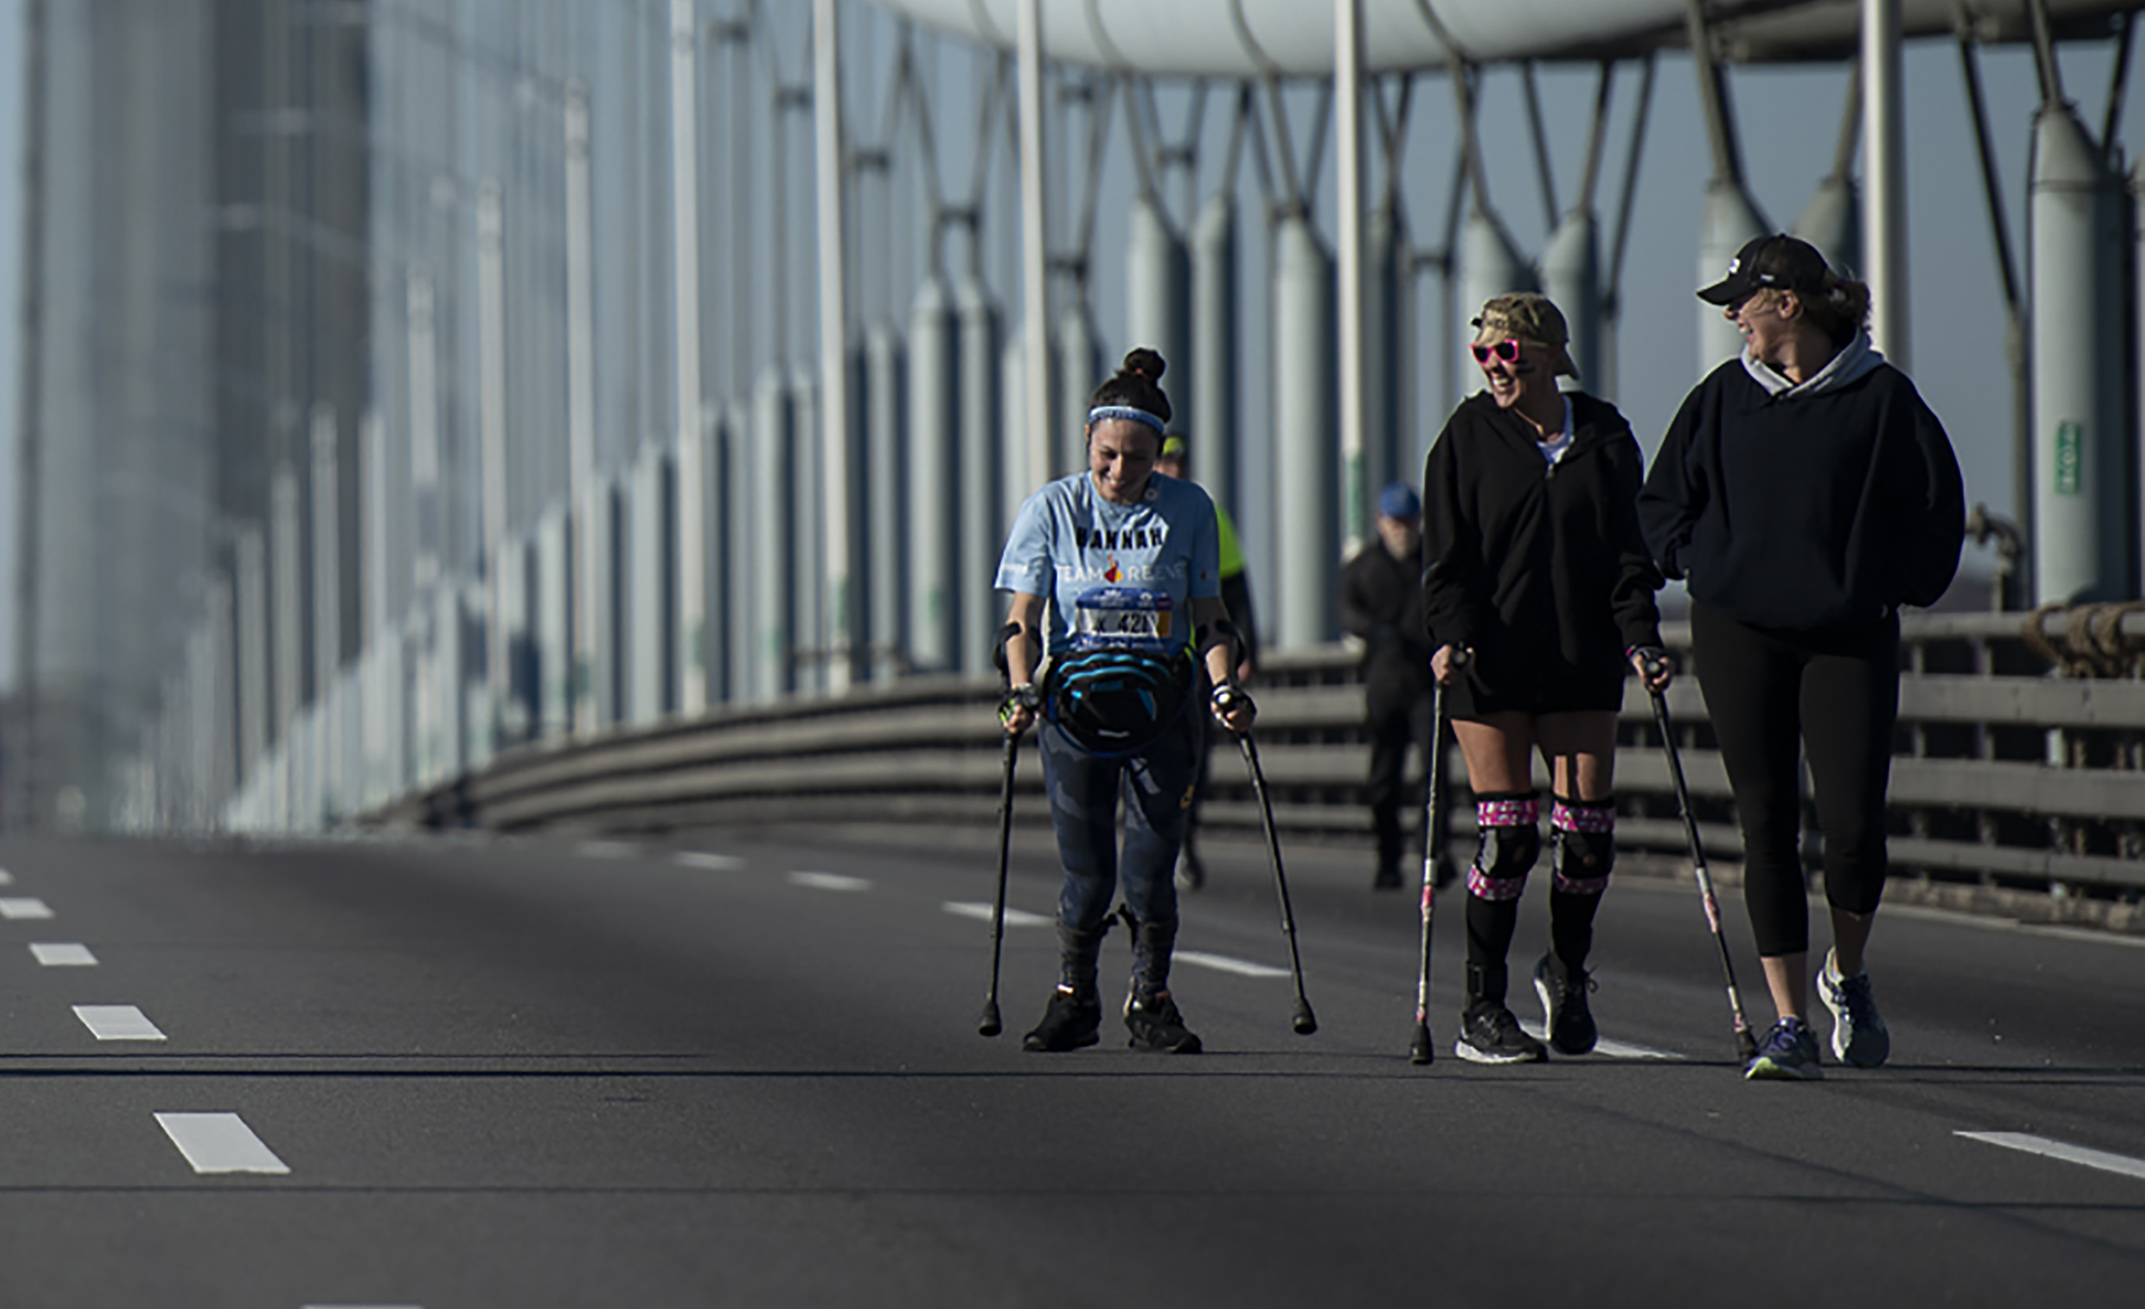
1839, 310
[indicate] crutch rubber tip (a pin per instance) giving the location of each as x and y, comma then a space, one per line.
1419, 1049
989, 1024
1746, 1045
1304, 1022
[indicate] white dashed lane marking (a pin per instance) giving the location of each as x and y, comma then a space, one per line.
721, 863
1222, 963
830, 881
2050, 1148
117, 1022
220, 1143
982, 913
1607, 1047
6, 878
24, 907
55, 954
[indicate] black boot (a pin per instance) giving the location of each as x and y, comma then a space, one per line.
1074, 1016
1565, 1013
1489, 1034
1150, 1015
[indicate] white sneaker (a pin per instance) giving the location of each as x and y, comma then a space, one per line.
1858, 1034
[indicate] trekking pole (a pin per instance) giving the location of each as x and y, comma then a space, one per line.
989, 1024
1303, 1022
1746, 1044
1419, 1048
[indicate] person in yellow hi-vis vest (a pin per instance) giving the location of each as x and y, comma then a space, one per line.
1175, 461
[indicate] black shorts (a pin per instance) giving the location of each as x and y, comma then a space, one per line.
1498, 686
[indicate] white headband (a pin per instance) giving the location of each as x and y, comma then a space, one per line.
1131, 412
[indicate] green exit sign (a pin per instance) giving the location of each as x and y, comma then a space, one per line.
2070, 454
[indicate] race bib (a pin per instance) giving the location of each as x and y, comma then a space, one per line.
1122, 618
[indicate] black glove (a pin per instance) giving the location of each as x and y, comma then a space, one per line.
1024, 696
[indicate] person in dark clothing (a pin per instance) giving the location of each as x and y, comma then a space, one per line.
1176, 461
1381, 602
1534, 564
1806, 493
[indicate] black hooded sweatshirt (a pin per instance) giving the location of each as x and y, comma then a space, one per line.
1539, 568
1809, 511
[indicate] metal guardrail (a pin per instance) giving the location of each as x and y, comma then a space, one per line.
2003, 773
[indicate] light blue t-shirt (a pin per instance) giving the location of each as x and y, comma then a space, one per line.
1155, 556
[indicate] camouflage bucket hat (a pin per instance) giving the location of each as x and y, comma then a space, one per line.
1527, 316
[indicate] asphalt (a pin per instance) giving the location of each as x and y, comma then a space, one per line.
530, 1074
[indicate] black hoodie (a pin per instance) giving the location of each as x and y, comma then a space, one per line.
1817, 509
1540, 568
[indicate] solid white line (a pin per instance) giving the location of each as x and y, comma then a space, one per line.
219, 1143
1985, 923
721, 863
24, 907
54, 954
1222, 963
1605, 1046
117, 1022
2068, 1153
982, 913
830, 881
606, 849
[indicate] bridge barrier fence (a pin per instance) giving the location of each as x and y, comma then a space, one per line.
2005, 772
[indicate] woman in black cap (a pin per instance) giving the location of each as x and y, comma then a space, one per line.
1533, 564
1806, 493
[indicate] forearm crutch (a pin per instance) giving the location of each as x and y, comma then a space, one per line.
1746, 1044
988, 1023
1303, 1021
1419, 1047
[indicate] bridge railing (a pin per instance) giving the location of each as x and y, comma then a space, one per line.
2003, 772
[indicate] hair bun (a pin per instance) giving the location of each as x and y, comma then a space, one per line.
1145, 363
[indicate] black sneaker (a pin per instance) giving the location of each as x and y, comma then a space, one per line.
1788, 1053
1489, 1034
1387, 879
1156, 1025
1565, 1016
1069, 1023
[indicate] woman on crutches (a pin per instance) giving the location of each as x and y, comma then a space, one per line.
1119, 559
1533, 564
1807, 493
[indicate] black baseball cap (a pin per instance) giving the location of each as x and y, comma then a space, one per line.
1779, 261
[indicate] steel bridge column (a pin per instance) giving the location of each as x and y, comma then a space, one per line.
1884, 167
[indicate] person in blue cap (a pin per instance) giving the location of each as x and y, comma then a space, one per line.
1381, 604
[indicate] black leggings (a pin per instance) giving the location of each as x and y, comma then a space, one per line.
1836, 695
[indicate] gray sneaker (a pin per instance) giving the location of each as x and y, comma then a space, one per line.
1788, 1053
1489, 1034
1858, 1034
